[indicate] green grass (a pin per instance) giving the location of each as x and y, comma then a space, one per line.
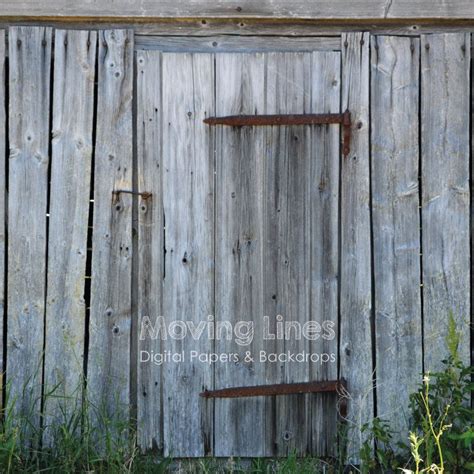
86, 439
83, 439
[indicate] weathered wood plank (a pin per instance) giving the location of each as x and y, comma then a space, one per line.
396, 224
445, 62
271, 29
356, 287
472, 203
188, 286
3, 198
228, 44
286, 244
108, 365
291, 28
301, 9
241, 427
74, 75
150, 245
29, 86
324, 252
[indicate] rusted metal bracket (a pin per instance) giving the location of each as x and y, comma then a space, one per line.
143, 194
293, 119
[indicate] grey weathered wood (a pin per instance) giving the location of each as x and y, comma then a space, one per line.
3, 197
324, 241
229, 44
286, 245
445, 62
29, 85
269, 209
188, 206
356, 288
150, 243
74, 75
301, 9
241, 427
271, 29
472, 200
108, 367
288, 28
396, 225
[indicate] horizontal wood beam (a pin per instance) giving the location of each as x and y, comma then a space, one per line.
138, 10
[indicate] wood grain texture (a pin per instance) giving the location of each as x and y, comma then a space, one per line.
355, 351
274, 258
445, 62
29, 86
287, 28
324, 247
150, 245
228, 44
108, 375
74, 75
241, 426
396, 224
286, 245
3, 198
188, 285
298, 9
242, 27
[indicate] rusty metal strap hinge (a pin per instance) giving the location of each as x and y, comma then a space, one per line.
293, 119
338, 387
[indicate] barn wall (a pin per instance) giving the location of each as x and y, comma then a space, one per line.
83, 256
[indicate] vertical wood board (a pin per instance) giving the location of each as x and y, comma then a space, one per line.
108, 373
396, 224
188, 206
73, 89
445, 63
324, 247
355, 350
286, 244
240, 425
150, 246
29, 104
3, 199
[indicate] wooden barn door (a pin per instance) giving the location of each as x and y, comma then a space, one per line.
276, 246
242, 226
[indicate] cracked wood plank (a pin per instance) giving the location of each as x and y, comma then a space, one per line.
396, 224
445, 97
355, 351
108, 367
29, 86
73, 89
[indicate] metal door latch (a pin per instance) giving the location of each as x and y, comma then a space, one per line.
143, 194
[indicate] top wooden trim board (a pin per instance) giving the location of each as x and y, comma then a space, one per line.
330, 10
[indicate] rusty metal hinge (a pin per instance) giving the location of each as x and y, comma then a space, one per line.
331, 386
336, 386
292, 119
